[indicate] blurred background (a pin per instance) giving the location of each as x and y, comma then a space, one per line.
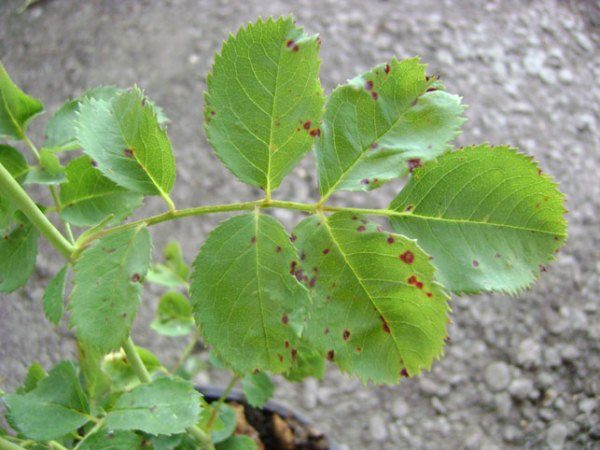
521, 372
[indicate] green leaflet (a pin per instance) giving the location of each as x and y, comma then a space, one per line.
238, 443
54, 408
16, 108
18, 251
96, 383
487, 215
174, 316
124, 137
164, 406
35, 374
383, 123
377, 310
122, 376
88, 196
246, 302
14, 162
174, 272
49, 171
107, 287
309, 363
118, 440
61, 130
225, 424
264, 101
258, 388
54, 296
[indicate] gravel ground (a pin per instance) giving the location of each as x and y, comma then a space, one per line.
520, 372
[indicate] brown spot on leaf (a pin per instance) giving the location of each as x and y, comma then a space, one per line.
358, 349
293, 267
253, 239
413, 164
285, 319
307, 125
278, 249
361, 228
404, 373
136, 277
369, 85
287, 344
346, 335
325, 251
330, 355
408, 208
295, 47
315, 132
326, 331
408, 257
374, 95
364, 181
390, 239
128, 152
293, 237
387, 69
289, 43
475, 263
294, 354
385, 325
94, 163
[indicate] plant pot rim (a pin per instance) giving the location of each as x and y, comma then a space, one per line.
274, 406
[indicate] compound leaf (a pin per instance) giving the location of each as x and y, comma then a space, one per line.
54, 408
16, 108
258, 388
18, 251
174, 315
54, 296
489, 217
125, 139
88, 196
107, 287
164, 406
246, 302
377, 310
264, 101
383, 123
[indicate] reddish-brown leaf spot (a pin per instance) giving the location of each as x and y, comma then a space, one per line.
361, 228
312, 282
295, 47
428, 294
413, 164
330, 355
431, 89
346, 335
354, 218
414, 102
299, 275
292, 237
409, 208
253, 239
369, 85
475, 263
447, 339
387, 69
287, 344
404, 373
307, 125
384, 325
315, 132
374, 95
128, 152
294, 353
302, 256
325, 251
94, 163
390, 239
408, 257
136, 277
543, 268
374, 145
213, 113
498, 255
326, 331
285, 319
293, 267
358, 349
364, 181
278, 249
289, 43
280, 358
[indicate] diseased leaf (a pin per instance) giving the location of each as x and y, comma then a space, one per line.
377, 310
258, 388
16, 108
18, 251
54, 408
488, 216
246, 302
88, 196
125, 139
14, 162
264, 101
61, 130
174, 316
107, 287
54, 296
117, 440
96, 382
309, 363
164, 406
383, 123
238, 443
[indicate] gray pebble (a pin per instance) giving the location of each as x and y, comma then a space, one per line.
377, 427
497, 376
556, 436
521, 388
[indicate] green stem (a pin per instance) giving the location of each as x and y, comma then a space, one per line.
215, 411
142, 373
95, 428
186, 352
7, 445
15, 193
58, 446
